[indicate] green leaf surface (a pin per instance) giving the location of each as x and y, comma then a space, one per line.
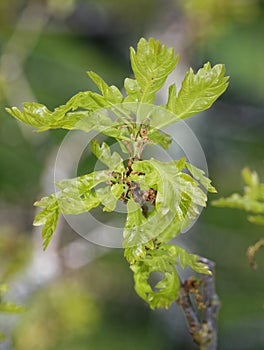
151, 64
198, 91
76, 197
251, 201
136, 230
165, 291
109, 196
240, 202
103, 152
176, 191
111, 93
42, 118
133, 90
199, 175
187, 259
160, 138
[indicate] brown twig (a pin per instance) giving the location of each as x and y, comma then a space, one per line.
251, 252
203, 328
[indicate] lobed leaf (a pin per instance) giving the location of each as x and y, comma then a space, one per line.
199, 175
76, 197
240, 202
198, 91
111, 93
103, 152
109, 196
187, 259
151, 64
177, 192
166, 291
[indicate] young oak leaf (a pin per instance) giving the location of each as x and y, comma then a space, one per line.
251, 201
103, 153
199, 175
76, 197
163, 260
42, 118
187, 259
110, 93
166, 290
151, 64
198, 91
176, 191
109, 195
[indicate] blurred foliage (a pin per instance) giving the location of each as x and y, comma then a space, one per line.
73, 313
251, 201
60, 312
213, 17
241, 49
15, 251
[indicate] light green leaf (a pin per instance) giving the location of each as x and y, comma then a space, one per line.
160, 138
199, 175
103, 152
151, 64
198, 91
138, 252
11, 308
40, 116
256, 219
252, 200
250, 178
133, 90
166, 291
136, 227
176, 191
109, 196
84, 182
76, 197
240, 202
187, 259
94, 117
110, 93
48, 217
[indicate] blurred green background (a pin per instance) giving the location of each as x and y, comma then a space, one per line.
86, 300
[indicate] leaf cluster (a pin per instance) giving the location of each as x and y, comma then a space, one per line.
161, 198
252, 201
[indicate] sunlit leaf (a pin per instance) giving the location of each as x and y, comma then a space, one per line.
198, 91
151, 64
76, 197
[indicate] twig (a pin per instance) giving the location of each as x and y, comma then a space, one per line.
251, 252
203, 329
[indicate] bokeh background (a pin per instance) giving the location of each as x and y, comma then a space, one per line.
79, 295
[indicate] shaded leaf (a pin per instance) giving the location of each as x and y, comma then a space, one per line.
109, 196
